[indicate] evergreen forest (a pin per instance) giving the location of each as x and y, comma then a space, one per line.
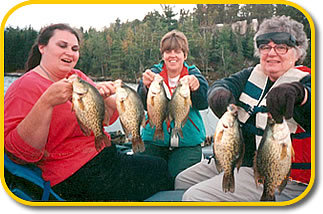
220, 40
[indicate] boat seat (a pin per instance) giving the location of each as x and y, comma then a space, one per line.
26, 182
166, 196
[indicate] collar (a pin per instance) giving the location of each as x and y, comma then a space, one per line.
164, 74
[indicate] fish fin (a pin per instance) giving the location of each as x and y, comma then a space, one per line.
255, 169
143, 122
240, 159
159, 134
106, 119
81, 104
218, 165
122, 106
188, 102
152, 101
219, 136
259, 180
284, 182
86, 131
283, 153
267, 197
152, 125
180, 132
126, 131
228, 182
174, 139
214, 137
72, 110
185, 120
102, 141
267, 194
293, 153
137, 144
169, 117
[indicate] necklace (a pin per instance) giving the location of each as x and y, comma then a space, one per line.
43, 69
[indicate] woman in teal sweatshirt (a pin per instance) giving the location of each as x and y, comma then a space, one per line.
187, 150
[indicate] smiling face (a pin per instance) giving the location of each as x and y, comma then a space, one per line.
174, 50
174, 60
61, 53
275, 65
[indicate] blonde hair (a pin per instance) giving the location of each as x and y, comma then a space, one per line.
174, 40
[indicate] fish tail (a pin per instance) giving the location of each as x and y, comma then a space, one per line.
267, 195
159, 134
178, 131
174, 139
228, 182
102, 141
137, 144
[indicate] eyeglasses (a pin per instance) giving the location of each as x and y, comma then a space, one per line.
278, 38
279, 49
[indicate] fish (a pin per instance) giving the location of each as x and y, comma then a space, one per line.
273, 159
228, 147
179, 108
131, 114
157, 102
89, 108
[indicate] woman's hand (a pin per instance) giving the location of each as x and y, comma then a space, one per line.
34, 128
193, 82
58, 93
106, 89
147, 77
282, 99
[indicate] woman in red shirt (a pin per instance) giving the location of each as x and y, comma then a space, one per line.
40, 128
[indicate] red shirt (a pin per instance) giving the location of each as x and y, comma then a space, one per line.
67, 148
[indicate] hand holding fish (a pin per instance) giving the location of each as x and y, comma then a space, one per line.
193, 82
106, 89
58, 93
282, 99
147, 77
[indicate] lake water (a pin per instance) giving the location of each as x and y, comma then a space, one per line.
210, 120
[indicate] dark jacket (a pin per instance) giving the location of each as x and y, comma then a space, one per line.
236, 83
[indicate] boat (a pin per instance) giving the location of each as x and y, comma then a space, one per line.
25, 181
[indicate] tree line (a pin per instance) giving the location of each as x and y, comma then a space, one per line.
125, 49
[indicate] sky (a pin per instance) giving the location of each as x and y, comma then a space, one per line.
96, 16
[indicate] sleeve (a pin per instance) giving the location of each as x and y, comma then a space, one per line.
302, 114
114, 117
234, 83
142, 90
199, 97
19, 100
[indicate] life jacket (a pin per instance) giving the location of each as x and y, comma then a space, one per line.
252, 101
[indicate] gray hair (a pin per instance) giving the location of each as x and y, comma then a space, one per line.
284, 24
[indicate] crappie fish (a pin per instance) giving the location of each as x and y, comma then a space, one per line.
179, 108
131, 114
157, 106
89, 108
228, 146
273, 159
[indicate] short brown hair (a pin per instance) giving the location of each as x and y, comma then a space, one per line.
174, 40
